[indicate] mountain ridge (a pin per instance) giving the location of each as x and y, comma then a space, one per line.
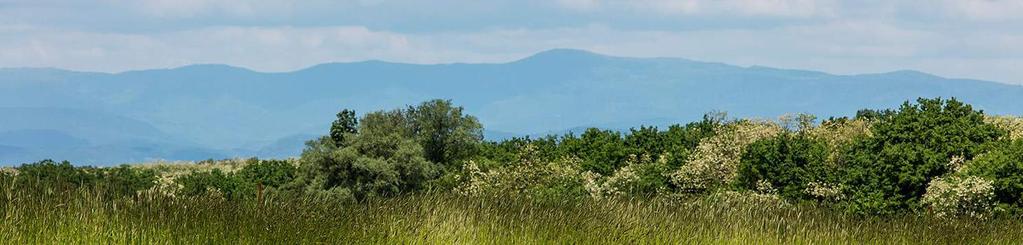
225, 110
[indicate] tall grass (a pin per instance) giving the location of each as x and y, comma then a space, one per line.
40, 215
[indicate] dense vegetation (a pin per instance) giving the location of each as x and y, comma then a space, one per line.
932, 170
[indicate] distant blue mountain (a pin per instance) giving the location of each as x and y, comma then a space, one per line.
212, 111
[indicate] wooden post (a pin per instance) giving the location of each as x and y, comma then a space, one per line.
259, 192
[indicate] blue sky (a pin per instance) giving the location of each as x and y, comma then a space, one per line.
980, 39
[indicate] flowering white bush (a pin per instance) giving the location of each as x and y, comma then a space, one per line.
825, 191
629, 180
530, 177
716, 159
953, 196
837, 134
1014, 125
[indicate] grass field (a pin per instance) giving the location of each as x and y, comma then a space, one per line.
40, 216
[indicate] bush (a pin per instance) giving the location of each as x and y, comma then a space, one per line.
957, 196
52, 176
1004, 166
270, 173
125, 180
242, 184
641, 177
715, 161
1012, 125
602, 151
370, 165
215, 182
55, 176
681, 141
890, 171
789, 162
531, 177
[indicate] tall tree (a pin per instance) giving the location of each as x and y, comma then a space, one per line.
346, 123
446, 134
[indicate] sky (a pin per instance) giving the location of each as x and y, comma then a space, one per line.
979, 39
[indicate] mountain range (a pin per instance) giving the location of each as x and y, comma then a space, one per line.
219, 111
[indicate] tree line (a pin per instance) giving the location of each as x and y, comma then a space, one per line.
936, 156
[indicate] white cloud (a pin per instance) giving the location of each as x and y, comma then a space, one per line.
261, 48
839, 46
984, 10
201, 8
777, 8
960, 38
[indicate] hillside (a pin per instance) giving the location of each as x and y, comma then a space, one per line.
213, 111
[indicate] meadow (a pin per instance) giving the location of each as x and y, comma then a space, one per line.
83, 216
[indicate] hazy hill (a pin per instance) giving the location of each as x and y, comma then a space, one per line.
211, 111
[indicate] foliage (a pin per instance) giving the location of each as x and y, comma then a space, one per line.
1012, 125
271, 173
681, 141
214, 182
530, 177
242, 184
126, 180
952, 196
369, 165
346, 123
1004, 166
640, 177
602, 151
716, 160
935, 155
445, 134
890, 171
53, 176
788, 162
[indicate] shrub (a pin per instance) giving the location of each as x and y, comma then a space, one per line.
1012, 125
370, 165
1004, 166
641, 177
55, 176
530, 177
788, 162
839, 134
601, 151
126, 180
890, 171
215, 182
715, 161
271, 173
957, 196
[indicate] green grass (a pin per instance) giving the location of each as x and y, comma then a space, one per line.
33, 216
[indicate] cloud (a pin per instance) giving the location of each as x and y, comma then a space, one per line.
984, 10
959, 38
197, 8
261, 48
775, 8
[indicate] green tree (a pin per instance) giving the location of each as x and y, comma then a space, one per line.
369, 165
646, 141
346, 123
601, 151
788, 162
229, 185
270, 173
910, 147
445, 133
125, 180
1004, 166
